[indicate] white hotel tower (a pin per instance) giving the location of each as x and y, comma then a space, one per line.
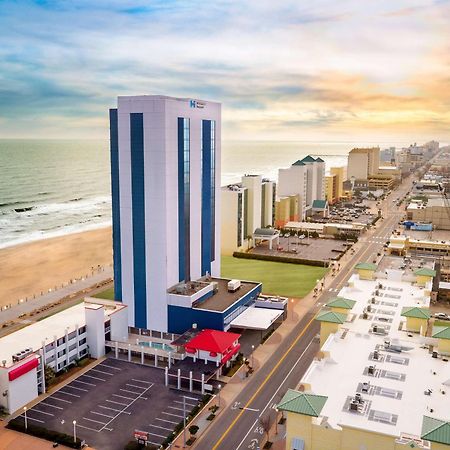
165, 171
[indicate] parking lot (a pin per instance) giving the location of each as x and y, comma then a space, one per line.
307, 248
110, 401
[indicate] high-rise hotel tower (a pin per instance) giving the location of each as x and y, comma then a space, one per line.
165, 171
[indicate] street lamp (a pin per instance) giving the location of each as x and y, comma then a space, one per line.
253, 349
220, 387
25, 417
74, 431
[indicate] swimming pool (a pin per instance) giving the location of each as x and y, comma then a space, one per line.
157, 345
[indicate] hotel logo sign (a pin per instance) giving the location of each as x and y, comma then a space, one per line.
196, 104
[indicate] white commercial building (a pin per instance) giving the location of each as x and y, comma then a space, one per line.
165, 170
306, 179
57, 342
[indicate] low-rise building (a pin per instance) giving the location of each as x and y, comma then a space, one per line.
382, 375
434, 210
403, 245
56, 342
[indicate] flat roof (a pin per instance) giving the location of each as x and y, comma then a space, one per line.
32, 335
405, 369
256, 318
223, 299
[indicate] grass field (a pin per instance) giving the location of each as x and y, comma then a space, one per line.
108, 294
288, 280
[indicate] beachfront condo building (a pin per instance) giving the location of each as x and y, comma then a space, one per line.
305, 179
363, 163
165, 165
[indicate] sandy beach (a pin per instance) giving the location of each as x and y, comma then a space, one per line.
28, 269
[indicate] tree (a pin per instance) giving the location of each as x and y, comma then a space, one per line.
266, 424
49, 374
193, 429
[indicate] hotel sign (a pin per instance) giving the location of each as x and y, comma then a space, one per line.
196, 104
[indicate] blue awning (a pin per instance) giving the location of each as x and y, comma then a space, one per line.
297, 444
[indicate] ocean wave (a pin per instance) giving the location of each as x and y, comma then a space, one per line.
4, 205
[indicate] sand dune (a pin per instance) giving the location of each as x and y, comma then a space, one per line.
28, 269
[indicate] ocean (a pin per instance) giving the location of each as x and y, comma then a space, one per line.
55, 187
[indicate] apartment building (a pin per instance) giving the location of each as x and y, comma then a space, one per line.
363, 163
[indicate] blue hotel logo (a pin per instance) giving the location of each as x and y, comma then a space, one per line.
196, 104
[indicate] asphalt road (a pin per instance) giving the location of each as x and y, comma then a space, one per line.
239, 425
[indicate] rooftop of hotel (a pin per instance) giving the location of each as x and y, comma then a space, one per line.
46, 329
221, 300
408, 383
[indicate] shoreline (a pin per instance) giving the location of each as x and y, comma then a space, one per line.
28, 268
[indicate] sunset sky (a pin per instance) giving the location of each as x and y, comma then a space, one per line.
321, 70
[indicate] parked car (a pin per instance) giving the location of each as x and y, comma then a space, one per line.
441, 316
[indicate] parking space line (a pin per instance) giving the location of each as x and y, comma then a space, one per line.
68, 393
174, 407
60, 399
91, 376
95, 421
187, 404
174, 415
141, 381
125, 407
135, 386
32, 418
101, 371
165, 420
83, 382
127, 390
87, 428
191, 398
122, 396
100, 414
77, 388
163, 428
117, 403
154, 443
116, 410
154, 434
109, 367
42, 412
51, 406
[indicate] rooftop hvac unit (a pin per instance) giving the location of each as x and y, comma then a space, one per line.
22, 354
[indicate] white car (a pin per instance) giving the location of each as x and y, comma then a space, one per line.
442, 316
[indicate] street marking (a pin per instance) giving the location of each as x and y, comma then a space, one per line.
77, 388
250, 409
127, 390
32, 418
42, 412
186, 403
101, 371
122, 396
95, 421
87, 428
140, 381
51, 406
154, 434
109, 367
91, 376
60, 399
135, 386
162, 428
191, 398
116, 410
117, 403
84, 382
170, 414
68, 393
100, 414
274, 368
165, 420
174, 407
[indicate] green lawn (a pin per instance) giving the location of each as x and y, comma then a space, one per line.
107, 295
288, 280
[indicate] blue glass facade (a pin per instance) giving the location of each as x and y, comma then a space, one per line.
138, 218
115, 195
184, 203
208, 140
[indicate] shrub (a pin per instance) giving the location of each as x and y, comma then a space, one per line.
41, 432
133, 445
275, 258
193, 429
211, 417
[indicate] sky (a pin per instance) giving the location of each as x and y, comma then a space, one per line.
319, 70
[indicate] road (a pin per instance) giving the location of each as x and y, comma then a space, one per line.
239, 425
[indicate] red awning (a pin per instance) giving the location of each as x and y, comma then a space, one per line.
23, 369
230, 354
190, 350
213, 341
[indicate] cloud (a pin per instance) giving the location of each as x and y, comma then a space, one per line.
280, 69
